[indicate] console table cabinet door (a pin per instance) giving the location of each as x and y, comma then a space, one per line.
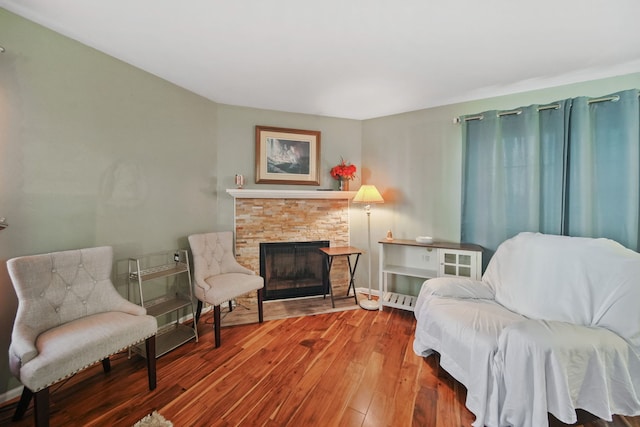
459, 263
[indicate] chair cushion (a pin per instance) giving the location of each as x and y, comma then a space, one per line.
225, 287
69, 348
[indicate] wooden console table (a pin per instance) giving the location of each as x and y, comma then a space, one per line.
409, 258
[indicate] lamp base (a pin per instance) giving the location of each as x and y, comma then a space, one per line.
369, 304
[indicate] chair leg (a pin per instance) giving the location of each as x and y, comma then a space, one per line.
106, 365
198, 311
230, 305
216, 324
41, 407
23, 404
260, 298
150, 347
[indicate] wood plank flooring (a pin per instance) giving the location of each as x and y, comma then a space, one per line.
348, 368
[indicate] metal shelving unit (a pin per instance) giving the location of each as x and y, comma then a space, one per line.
157, 277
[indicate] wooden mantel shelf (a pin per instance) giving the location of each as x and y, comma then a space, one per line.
247, 193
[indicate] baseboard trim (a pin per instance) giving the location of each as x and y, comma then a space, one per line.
11, 394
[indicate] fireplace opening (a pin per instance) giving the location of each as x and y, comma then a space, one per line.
293, 269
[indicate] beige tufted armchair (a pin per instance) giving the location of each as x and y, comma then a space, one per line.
69, 317
218, 276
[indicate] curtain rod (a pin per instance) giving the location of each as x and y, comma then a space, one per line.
506, 113
614, 98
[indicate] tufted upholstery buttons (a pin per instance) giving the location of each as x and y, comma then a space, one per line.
53, 270
57, 309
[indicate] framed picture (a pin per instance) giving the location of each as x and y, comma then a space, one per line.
287, 156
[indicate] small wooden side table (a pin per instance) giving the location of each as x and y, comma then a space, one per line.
346, 251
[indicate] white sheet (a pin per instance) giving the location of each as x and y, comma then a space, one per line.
464, 330
577, 346
558, 367
590, 282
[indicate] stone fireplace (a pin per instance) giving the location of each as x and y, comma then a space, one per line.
274, 216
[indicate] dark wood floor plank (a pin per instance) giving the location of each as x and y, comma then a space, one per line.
344, 370
425, 411
302, 401
393, 345
351, 418
406, 385
286, 370
362, 397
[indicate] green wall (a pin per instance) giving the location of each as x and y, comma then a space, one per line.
96, 152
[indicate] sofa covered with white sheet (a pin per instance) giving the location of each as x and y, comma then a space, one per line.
552, 327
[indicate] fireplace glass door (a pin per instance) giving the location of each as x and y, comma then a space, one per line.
293, 269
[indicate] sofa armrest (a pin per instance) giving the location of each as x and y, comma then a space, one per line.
457, 287
452, 287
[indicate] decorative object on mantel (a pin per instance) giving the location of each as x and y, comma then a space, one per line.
343, 172
367, 195
389, 235
239, 181
287, 156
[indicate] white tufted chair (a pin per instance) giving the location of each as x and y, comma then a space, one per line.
218, 276
69, 317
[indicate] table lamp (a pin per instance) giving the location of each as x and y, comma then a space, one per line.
368, 194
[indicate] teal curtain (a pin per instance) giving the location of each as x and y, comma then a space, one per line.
514, 169
572, 170
603, 196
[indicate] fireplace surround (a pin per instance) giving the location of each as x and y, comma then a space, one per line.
265, 216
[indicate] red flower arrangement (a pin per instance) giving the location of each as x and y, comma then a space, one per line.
343, 171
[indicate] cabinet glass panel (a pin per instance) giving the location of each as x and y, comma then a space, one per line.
450, 258
464, 271
450, 269
464, 260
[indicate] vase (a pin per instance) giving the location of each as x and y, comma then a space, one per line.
343, 185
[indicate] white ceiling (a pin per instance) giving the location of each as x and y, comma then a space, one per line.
354, 58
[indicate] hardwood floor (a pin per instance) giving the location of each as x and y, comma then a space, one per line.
349, 368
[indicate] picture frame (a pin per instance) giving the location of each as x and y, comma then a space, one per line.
287, 156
